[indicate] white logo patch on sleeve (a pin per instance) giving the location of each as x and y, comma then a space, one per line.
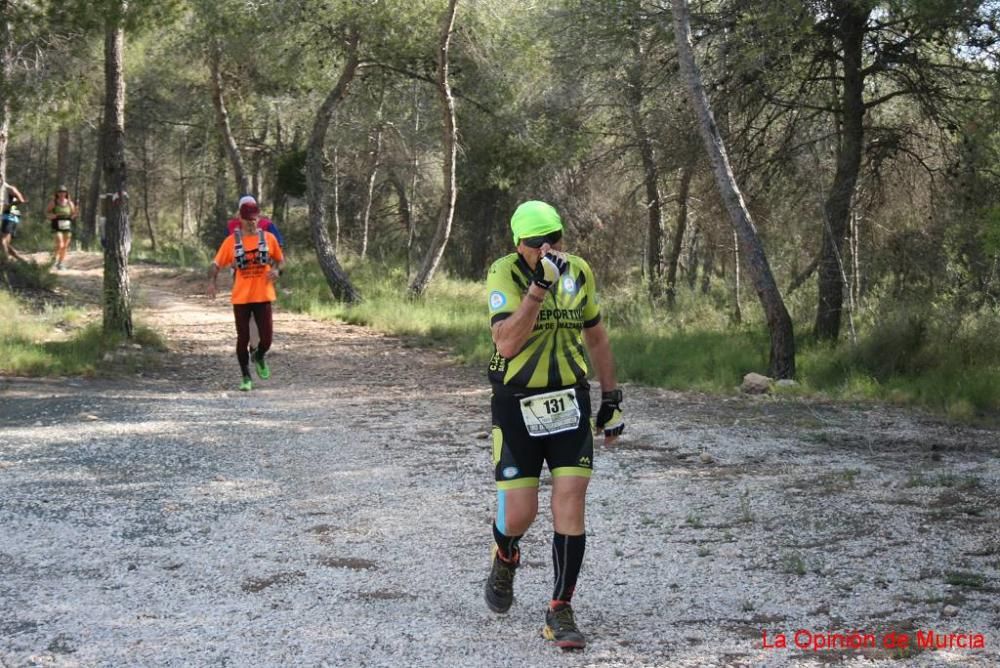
497, 300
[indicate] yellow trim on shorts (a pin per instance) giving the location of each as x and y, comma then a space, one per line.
520, 483
571, 471
497, 444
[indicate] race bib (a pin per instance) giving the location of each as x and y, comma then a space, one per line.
64, 225
551, 413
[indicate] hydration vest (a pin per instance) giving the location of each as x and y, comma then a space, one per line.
12, 214
62, 211
240, 254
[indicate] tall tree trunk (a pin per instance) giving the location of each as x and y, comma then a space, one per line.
852, 18
222, 122
436, 249
278, 195
45, 193
336, 196
336, 278
6, 64
185, 190
683, 193
404, 207
92, 210
117, 289
707, 267
62, 156
146, 168
221, 207
257, 159
736, 317
376, 159
694, 247
782, 357
411, 228
650, 170
78, 165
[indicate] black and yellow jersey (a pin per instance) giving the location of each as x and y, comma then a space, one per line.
553, 356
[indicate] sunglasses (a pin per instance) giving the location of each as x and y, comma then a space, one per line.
537, 242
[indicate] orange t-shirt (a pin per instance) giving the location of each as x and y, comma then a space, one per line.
252, 284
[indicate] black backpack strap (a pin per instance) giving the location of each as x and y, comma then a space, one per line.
262, 253
239, 252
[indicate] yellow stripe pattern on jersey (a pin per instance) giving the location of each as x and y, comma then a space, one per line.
554, 354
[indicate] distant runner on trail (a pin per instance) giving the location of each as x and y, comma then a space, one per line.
543, 309
61, 212
263, 224
257, 258
9, 220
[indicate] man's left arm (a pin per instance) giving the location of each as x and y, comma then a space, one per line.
609, 416
277, 259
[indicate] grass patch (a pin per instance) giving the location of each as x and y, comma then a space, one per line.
26, 276
970, 580
965, 483
186, 255
57, 341
687, 360
452, 313
793, 564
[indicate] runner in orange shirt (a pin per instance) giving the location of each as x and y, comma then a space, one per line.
257, 258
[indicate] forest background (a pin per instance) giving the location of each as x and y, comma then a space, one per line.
390, 141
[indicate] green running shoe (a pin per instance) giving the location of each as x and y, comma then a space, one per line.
246, 384
500, 583
263, 370
560, 628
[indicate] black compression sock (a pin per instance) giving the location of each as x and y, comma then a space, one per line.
567, 558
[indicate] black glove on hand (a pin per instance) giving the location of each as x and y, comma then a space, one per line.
549, 268
609, 416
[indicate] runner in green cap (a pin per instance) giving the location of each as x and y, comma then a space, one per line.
543, 311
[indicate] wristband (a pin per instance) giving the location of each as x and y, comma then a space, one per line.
536, 298
613, 396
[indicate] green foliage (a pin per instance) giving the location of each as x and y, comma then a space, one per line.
910, 356
188, 255
292, 173
75, 16
56, 341
938, 359
27, 276
451, 314
990, 235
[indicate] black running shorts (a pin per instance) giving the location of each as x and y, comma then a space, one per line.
518, 456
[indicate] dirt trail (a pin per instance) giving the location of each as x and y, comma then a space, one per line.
339, 515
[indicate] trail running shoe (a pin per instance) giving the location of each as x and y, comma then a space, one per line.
246, 384
560, 628
263, 370
500, 583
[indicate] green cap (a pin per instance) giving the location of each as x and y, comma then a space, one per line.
534, 219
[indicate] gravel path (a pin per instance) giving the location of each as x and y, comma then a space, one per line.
339, 514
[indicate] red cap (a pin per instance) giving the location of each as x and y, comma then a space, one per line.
248, 210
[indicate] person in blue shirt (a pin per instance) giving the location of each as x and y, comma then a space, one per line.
10, 219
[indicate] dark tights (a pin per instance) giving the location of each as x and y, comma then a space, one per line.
261, 312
